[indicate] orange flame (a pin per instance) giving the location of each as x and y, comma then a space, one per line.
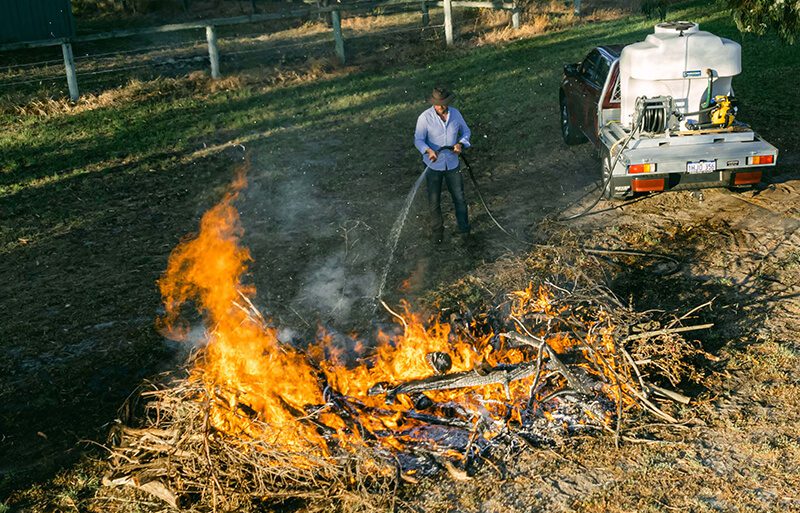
267, 390
244, 364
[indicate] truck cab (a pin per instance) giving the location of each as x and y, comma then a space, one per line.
582, 88
662, 113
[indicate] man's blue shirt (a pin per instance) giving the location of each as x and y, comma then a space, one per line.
434, 133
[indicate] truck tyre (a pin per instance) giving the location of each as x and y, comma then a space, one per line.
605, 176
569, 132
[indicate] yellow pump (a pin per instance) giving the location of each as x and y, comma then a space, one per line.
724, 112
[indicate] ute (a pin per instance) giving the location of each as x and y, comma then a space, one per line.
663, 114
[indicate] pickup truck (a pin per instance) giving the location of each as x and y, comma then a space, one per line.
659, 148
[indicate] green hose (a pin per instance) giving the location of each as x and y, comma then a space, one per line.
710, 83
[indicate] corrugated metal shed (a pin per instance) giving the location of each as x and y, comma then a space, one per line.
35, 20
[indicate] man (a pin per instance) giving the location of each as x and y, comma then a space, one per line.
439, 127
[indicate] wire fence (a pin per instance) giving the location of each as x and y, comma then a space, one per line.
137, 50
104, 63
159, 54
173, 58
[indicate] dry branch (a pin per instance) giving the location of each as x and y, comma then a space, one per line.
667, 331
580, 376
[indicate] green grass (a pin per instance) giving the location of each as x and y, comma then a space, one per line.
521, 77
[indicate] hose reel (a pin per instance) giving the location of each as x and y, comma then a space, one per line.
655, 115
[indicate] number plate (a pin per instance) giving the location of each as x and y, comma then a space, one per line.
704, 166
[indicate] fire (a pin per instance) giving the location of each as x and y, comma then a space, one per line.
244, 364
318, 398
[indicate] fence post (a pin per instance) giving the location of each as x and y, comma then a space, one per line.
336, 21
213, 52
426, 17
577, 4
69, 65
448, 22
515, 14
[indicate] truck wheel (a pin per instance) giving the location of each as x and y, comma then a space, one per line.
569, 132
606, 177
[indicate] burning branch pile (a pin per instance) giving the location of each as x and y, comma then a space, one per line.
259, 420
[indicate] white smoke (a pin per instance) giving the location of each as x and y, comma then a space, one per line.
333, 288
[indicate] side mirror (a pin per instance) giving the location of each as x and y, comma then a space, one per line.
571, 70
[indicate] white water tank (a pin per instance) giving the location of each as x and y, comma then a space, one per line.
673, 61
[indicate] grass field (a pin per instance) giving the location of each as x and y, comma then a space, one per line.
93, 199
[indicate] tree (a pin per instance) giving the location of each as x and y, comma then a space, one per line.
761, 16
653, 8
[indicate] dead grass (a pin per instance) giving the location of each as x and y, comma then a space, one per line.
536, 19
134, 90
377, 21
208, 469
195, 84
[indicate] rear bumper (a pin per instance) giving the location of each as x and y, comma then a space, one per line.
732, 158
629, 184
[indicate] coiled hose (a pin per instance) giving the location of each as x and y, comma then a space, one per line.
654, 120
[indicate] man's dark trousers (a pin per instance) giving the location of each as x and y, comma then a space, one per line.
455, 184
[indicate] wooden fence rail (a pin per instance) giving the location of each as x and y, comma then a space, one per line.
210, 26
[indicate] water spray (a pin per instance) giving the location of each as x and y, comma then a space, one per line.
394, 237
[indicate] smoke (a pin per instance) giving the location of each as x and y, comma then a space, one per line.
315, 242
287, 335
197, 336
334, 288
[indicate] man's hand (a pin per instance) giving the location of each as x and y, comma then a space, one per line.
432, 155
457, 149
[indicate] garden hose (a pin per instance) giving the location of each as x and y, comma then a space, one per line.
606, 180
592, 251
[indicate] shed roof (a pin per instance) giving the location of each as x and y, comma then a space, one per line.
35, 20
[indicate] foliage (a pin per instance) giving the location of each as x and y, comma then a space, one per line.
761, 16
651, 8
88, 7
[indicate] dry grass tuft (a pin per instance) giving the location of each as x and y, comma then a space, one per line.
367, 23
177, 456
194, 84
315, 68
200, 81
537, 18
136, 90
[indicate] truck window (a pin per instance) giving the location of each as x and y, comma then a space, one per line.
603, 68
589, 67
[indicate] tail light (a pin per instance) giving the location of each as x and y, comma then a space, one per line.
641, 168
749, 177
758, 160
648, 185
